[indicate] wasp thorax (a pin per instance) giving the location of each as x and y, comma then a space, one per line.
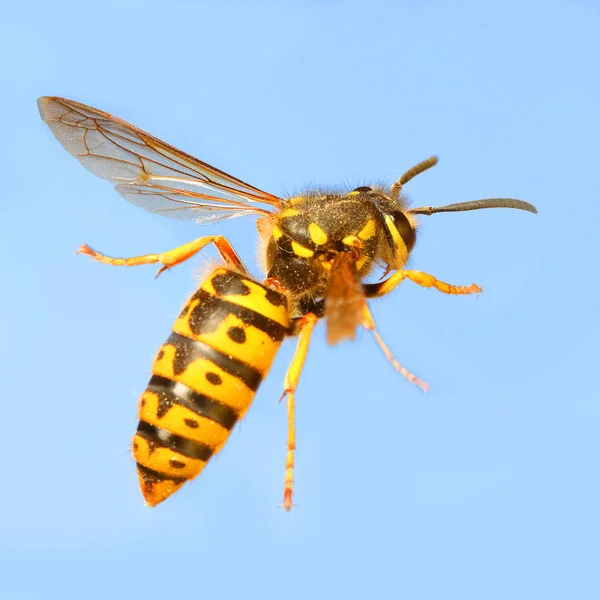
311, 231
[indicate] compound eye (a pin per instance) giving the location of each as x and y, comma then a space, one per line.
363, 189
406, 231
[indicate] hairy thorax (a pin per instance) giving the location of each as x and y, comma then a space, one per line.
311, 230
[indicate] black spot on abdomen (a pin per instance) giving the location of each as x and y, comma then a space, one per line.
214, 378
237, 335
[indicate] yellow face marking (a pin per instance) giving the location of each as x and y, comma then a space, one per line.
301, 251
394, 231
401, 253
289, 212
368, 231
317, 235
354, 193
277, 233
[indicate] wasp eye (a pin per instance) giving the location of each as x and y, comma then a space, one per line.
363, 189
405, 229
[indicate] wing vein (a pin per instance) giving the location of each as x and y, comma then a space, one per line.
139, 165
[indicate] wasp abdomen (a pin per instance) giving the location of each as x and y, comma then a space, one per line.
205, 377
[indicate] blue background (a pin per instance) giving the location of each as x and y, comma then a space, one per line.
488, 486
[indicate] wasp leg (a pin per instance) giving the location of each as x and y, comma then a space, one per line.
369, 323
375, 290
172, 257
307, 324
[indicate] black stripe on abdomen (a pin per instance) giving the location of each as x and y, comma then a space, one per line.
171, 392
151, 476
158, 437
211, 310
188, 350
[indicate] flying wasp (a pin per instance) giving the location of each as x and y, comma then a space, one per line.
317, 248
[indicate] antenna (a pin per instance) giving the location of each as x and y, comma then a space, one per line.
475, 205
412, 172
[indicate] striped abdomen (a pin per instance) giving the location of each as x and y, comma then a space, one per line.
205, 377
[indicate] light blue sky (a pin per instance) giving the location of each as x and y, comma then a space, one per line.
488, 487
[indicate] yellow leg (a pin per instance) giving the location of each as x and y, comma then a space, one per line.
369, 323
374, 290
307, 324
172, 257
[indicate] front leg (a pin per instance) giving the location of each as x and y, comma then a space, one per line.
375, 290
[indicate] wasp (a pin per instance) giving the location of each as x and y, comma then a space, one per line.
317, 249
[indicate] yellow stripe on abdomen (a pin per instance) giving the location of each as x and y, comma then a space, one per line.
205, 377
234, 337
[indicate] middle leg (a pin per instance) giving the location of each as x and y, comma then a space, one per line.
172, 257
307, 324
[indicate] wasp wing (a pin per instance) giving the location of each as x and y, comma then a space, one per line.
148, 172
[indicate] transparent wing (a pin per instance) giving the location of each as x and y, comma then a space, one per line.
148, 172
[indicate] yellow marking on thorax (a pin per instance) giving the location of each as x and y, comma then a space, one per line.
368, 231
352, 241
289, 212
317, 235
296, 200
277, 233
360, 263
354, 193
326, 264
300, 250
